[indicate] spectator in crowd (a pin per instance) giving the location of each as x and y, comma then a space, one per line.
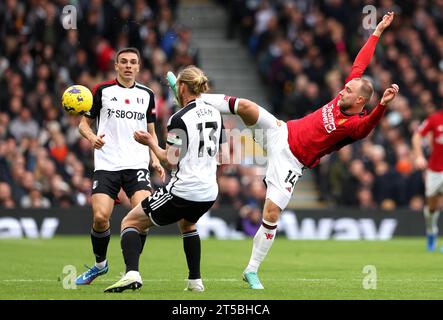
302, 56
229, 192
43, 159
24, 125
250, 218
35, 199
6, 200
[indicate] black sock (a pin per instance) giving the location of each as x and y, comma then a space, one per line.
192, 247
131, 247
100, 241
143, 240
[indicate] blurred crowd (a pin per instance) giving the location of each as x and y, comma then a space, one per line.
304, 51
44, 162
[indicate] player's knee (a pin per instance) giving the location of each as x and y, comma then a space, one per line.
129, 222
432, 203
272, 216
271, 213
100, 221
186, 226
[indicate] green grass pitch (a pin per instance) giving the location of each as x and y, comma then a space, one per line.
33, 269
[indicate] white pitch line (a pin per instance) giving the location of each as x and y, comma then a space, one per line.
28, 280
238, 280
103, 280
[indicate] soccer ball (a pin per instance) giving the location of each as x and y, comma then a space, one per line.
77, 100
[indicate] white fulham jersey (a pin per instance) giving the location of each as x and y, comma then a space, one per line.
119, 112
197, 130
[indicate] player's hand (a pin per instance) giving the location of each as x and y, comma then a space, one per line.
384, 23
159, 169
143, 137
389, 94
421, 163
98, 142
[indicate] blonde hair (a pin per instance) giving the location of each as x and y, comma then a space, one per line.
195, 80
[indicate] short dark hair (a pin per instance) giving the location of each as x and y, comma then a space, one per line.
129, 49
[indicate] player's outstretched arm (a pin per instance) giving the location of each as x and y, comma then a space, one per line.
384, 23
365, 54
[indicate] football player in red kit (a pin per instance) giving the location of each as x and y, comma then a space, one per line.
432, 127
300, 143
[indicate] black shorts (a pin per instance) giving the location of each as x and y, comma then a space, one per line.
110, 182
164, 208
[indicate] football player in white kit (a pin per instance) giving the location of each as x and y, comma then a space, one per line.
195, 136
120, 107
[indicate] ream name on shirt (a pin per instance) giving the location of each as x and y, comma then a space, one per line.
203, 112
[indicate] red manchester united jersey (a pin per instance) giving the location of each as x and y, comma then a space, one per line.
328, 129
434, 124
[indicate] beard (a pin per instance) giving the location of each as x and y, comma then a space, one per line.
344, 106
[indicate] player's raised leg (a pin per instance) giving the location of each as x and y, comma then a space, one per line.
263, 240
248, 110
192, 248
131, 245
255, 116
102, 206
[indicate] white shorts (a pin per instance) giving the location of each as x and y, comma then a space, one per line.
433, 183
283, 170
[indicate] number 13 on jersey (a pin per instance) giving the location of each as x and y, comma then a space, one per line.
207, 132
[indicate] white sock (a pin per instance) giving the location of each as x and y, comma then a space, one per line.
195, 281
133, 273
101, 265
221, 102
262, 243
195, 285
431, 221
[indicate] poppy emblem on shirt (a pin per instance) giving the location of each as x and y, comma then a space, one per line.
127, 101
